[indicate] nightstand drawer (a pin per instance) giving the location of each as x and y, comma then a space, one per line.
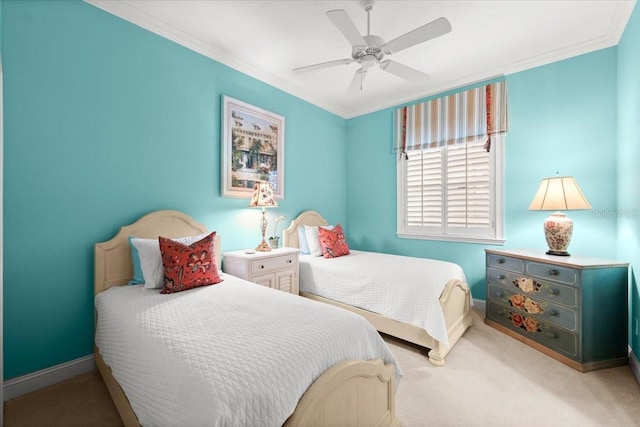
277, 269
506, 263
271, 264
552, 272
551, 336
553, 313
531, 286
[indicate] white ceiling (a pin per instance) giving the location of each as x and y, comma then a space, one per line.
267, 39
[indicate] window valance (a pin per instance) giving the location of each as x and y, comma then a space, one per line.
453, 119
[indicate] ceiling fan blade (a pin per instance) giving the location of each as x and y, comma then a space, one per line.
346, 26
404, 72
428, 31
322, 65
356, 83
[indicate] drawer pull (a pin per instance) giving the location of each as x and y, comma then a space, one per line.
262, 266
553, 312
553, 272
553, 292
501, 260
501, 312
501, 277
499, 294
289, 261
551, 334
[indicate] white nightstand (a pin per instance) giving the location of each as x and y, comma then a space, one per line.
276, 269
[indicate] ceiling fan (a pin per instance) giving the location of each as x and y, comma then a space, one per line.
371, 49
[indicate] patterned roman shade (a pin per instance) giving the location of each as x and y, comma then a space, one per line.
454, 119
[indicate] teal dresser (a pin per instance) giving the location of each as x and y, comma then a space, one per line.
573, 309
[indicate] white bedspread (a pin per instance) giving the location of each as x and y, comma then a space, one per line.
403, 288
232, 354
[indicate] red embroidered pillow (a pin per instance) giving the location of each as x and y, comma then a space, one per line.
333, 242
188, 266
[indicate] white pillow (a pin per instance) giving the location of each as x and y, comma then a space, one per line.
150, 259
313, 239
302, 241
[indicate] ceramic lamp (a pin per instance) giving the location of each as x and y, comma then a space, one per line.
560, 193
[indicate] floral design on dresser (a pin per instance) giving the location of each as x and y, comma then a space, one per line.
527, 284
522, 302
528, 324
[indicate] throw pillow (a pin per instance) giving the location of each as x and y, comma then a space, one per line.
147, 262
313, 239
188, 266
333, 242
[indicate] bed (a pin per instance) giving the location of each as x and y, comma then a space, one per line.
179, 374
451, 309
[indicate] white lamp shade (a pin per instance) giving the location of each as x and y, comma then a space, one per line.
263, 196
560, 193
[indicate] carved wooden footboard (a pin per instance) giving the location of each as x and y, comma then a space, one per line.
352, 393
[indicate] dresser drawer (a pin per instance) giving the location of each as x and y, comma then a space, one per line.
531, 286
506, 263
552, 272
531, 327
501, 277
526, 305
272, 264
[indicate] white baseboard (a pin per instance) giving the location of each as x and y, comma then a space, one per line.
36, 380
635, 365
479, 304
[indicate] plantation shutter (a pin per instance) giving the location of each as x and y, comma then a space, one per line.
448, 189
468, 187
424, 189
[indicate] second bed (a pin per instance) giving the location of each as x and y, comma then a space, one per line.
423, 301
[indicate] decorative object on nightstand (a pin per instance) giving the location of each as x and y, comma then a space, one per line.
560, 193
274, 239
263, 198
573, 309
277, 269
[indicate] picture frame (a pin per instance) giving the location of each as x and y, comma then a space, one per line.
252, 149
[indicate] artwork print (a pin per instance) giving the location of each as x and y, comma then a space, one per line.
252, 149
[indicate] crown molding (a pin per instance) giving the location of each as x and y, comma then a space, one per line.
136, 16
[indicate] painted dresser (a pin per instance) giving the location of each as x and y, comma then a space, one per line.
573, 309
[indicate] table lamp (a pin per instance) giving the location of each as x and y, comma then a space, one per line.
263, 198
560, 193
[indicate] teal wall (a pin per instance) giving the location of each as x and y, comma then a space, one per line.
628, 156
105, 122
562, 117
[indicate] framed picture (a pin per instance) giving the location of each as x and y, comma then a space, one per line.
252, 149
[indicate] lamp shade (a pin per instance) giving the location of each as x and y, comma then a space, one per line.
262, 196
560, 193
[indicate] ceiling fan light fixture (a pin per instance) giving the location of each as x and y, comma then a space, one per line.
371, 49
367, 61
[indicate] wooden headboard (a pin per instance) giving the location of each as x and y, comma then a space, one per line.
113, 266
290, 234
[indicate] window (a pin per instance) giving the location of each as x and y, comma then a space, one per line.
449, 183
452, 192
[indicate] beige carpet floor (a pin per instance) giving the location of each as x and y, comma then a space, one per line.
489, 379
